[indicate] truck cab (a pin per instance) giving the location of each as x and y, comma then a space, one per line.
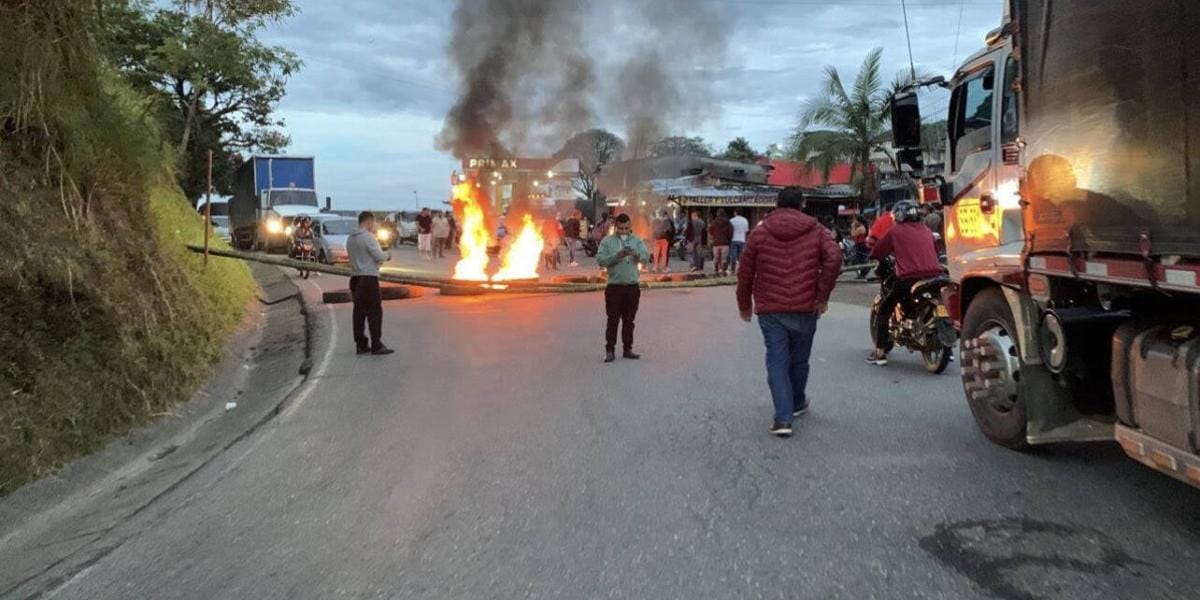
1072, 208
983, 228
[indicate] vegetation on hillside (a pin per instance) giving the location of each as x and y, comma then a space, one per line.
215, 85
105, 320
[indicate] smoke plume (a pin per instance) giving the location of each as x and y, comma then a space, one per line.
525, 76
529, 79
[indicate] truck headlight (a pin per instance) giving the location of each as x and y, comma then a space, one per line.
274, 226
287, 230
384, 234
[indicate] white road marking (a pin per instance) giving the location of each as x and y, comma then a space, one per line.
319, 371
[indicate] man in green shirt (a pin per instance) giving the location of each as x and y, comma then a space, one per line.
620, 254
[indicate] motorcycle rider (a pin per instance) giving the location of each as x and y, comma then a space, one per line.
916, 259
303, 233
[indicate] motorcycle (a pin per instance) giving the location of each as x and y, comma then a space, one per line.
920, 323
305, 252
590, 247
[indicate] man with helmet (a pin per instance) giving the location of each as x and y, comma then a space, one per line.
302, 234
916, 258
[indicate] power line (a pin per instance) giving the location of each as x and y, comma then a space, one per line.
911, 64
957, 34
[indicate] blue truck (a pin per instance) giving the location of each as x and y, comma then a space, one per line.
270, 191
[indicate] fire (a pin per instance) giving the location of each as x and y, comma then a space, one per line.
474, 244
518, 261
521, 259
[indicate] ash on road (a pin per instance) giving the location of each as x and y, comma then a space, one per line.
494, 456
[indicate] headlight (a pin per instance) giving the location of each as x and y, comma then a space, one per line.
384, 234
274, 226
288, 230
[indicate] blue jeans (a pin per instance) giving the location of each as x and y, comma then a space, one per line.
789, 338
735, 252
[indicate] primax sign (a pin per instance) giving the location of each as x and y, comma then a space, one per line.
491, 163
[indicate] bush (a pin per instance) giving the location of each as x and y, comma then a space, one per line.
105, 319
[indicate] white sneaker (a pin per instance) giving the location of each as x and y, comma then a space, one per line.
573, 264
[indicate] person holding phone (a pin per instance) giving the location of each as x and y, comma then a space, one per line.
619, 254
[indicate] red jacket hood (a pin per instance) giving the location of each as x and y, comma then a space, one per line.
788, 224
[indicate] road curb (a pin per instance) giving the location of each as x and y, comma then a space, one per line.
57, 526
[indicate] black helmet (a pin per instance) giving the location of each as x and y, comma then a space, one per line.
906, 211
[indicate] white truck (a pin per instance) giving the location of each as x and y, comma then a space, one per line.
1072, 222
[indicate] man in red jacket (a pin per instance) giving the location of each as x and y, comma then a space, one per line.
786, 274
916, 259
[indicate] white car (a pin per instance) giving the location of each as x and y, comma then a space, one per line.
331, 234
220, 227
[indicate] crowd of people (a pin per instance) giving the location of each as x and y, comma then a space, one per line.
786, 268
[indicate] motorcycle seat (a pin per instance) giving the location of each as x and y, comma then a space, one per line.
933, 283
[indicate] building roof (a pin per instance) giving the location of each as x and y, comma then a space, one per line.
793, 173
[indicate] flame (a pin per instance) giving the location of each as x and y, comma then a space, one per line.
519, 260
474, 244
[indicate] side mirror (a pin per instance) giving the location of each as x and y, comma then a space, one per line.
906, 120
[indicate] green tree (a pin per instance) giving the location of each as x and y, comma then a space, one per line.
680, 146
594, 149
216, 83
855, 121
739, 149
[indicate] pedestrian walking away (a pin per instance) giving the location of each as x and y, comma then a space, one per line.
695, 241
786, 275
738, 240
720, 233
573, 231
441, 232
365, 258
664, 231
425, 234
620, 254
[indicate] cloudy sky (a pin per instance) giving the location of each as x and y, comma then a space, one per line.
377, 83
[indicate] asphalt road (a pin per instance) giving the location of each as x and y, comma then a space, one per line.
494, 456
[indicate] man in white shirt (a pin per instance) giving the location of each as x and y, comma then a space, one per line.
740, 227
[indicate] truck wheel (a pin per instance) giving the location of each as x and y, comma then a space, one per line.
991, 370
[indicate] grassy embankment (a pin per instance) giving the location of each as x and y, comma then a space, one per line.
106, 321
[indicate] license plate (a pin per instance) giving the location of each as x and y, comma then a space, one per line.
941, 311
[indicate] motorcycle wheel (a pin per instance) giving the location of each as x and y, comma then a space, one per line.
936, 361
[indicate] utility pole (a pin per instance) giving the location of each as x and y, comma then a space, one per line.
208, 210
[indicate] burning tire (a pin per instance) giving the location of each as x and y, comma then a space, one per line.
465, 289
387, 292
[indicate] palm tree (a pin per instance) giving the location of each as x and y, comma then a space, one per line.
854, 123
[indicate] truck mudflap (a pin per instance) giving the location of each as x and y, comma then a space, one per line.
1159, 455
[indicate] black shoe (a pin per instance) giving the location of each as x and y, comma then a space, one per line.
800, 412
631, 355
610, 356
382, 351
362, 351
781, 429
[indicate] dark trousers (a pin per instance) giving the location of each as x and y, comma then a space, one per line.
368, 311
620, 304
789, 339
